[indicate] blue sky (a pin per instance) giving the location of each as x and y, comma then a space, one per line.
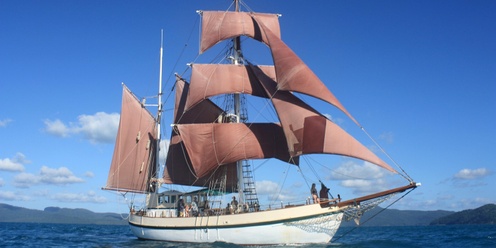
420, 76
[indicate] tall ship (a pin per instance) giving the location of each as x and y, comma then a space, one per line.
212, 144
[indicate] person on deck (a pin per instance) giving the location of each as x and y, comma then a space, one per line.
186, 210
324, 195
181, 207
324, 192
194, 207
234, 204
313, 191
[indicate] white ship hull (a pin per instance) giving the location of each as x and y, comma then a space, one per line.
296, 225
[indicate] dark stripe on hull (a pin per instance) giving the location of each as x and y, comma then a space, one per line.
233, 226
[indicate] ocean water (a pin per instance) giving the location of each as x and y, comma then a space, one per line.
69, 235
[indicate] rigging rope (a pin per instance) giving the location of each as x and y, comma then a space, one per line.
303, 176
311, 168
371, 217
405, 175
180, 56
275, 197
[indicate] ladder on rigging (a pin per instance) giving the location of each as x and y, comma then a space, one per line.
249, 189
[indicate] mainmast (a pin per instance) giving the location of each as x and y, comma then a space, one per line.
237, 105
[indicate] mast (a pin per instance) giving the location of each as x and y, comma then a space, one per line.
159, 111
159, 107
237, 106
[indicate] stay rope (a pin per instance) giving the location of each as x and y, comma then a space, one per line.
404, 175
373, 216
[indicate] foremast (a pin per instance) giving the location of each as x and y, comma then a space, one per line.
154, 181
159, 112
154, 178
135, 165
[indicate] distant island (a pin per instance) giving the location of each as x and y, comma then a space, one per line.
9, 213
388, 217
483, 215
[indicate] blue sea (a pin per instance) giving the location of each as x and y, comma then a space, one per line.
69, 235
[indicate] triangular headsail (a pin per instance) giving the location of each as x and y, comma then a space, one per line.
307, 131
133, 162
294, 75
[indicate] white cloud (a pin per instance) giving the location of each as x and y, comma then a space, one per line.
7, 164
90, 196
4, 122
98, 128
164, 147
363, 179
60, 176
352, 170
14, 164
266, 187
57, 128
468, 174
273, 192
25, 180
361, 186
12, 196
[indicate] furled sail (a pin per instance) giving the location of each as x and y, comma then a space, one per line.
307, 131
218, 26
178, 168
133, 162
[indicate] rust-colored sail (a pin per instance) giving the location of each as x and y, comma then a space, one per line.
178, 168
218, 26
214, 79
201, 143
307, 131
133, 162
294, 75
205, 112
211, 145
